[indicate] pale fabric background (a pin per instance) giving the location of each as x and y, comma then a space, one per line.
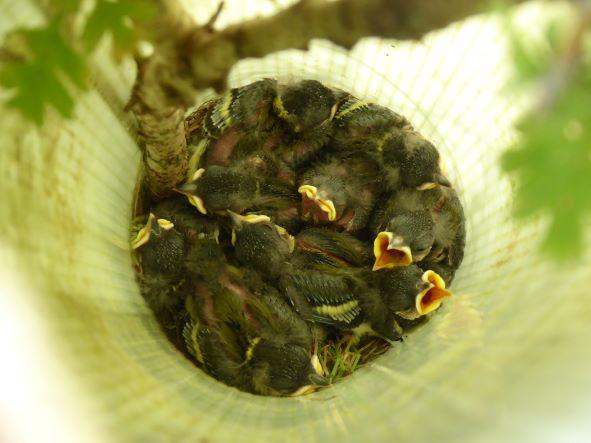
506, 360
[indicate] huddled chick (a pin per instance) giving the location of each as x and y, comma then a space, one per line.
245, 335
414, 226
340, 192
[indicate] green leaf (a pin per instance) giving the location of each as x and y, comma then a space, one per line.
118, 19
47, 90
54, 52
38, 80
553, 164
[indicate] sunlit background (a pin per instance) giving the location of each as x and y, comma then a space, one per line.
84, 360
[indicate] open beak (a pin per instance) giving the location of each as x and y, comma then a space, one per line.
326, 206
438, 180
304, 390
189, 189
288, 237
238, 220
256, 218
318, 378
441, 180
316, 381
390, 251
426, 186
165, 224
316, 365
430, 298
143, 236
193, 199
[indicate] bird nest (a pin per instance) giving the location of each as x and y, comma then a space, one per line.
312, 231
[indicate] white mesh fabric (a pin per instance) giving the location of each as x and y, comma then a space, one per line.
505, 360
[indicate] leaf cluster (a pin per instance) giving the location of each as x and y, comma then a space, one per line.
45, 66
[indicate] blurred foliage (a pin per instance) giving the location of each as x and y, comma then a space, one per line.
115, 18
38, 78
552, 159
45, 66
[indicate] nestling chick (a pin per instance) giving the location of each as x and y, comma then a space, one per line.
323, 297
411, 161
360, 125
416, 225
159, 246
246, 336
378, 319
253, 153
266, 367
191, 225
270, 168
322, 246
445, 271
240, 111
340, 192
260, 244
288, 218
204, 237
403, 238
446, 260
410, 292
246, 108
338, 299
307, 107
219, 188
159, 250
450, 231
173, 233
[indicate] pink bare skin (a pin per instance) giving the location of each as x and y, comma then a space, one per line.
222, 149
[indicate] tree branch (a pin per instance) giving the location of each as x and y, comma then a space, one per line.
343, 22
160, 96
